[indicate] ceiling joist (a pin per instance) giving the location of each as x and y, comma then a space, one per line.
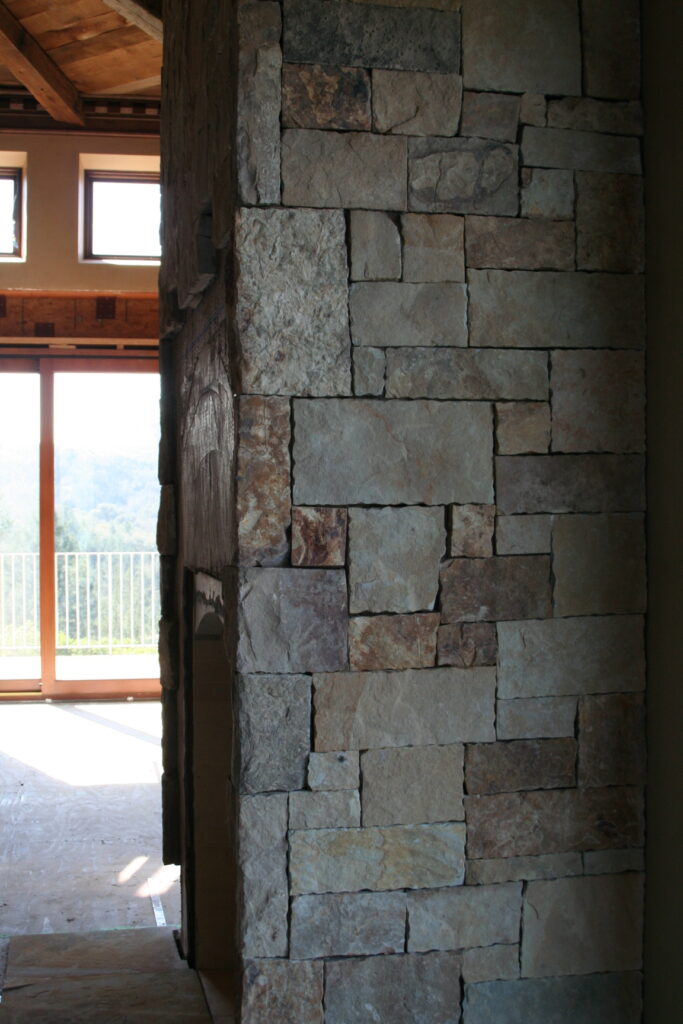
140, 14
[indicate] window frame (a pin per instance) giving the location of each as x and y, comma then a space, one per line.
90, 176
15, 174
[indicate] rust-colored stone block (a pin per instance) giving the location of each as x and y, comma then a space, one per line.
471, 533
491, 589
522, 764
612, 740
316, 96
263, 501
393, 641
519, 243
467, 644
319, 536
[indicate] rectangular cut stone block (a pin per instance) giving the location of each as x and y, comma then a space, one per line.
348, 924
357, 710
464, 917
523, 309
514, 869
338, 769
401, 857
503, 587
599, 564
523, 535
612, 48
570, 483
263, 867
314, 96
396, 989
571, 656
535, 717
335, 809
372, 452
589, 115
490, 963
433, 247
603, 915
528, 46
319, 536
490, 115
610, 222
547, 193
604, 862
416, 103
580, 151
292, 315
612, 740
392, 641
615, 997
282, 990
339, 32
408, 314
522, 427
553, 821
467, 374
292, 620
369, 367
471, 530
525, 764
412, 785
274, 727
463, 176
263, 499
394, 557
375, 246
466, 644
258, 104
515, 243
343, 169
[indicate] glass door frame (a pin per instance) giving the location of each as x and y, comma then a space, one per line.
48, 687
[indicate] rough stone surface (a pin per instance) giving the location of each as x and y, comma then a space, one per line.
612, 740
463, 176
412, 785
392, 452
580, 151
490, 963
433, 247
471, 531
523, 535
392, 641
408, 314
599, 564
292, 313
468, 644
399, 989
528, 46
533, 109
555, 310
338, 808
375, 246
292, 620
465, 917
612, 48
603, 862
415, 103
369, 367
282, 991
598, 401
378, 859
319, 536
466, 374
263, 864
515, 243
490, 115
514, 869
524, 764
419, 707
570, 656
263, 493
314, 96
394, 556
569, 483
582, 926
338, 769
343, 169
274, 726
503, 587
353, 924
617, 998
339, 32
535, 717
553, 821
547, 193
610, 222
522, 427
258, 111
589, 115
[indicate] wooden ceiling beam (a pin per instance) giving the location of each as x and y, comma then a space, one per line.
140, 14
32, 66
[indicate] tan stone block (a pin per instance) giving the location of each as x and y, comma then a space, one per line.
263, 889
392, 641
282, 990
263, 494
412, 785
390, 314
348, 924
433, 247
416, 103
490, 115
319, 536
314, 96
463, 176
466, 644
471, 530
490, 963
468, 916
522, 427
514, 869
375, 246
610, 222
338, 769
523, 535
539, 717
334, 809
599, 564
467, 374
612, 740
533, 109
570, 483
369, 368
519, 243
547, 193
580, 151
521, 764
502, 587
587, 114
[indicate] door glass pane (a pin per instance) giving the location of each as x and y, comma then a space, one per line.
19, 530
106, 501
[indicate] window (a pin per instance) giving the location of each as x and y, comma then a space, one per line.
10, 211
122, 215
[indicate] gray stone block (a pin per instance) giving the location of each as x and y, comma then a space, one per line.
391, 313
611, 30
369, 365
348, 924
519, 243
535, 717
570, 483
612, 740
523, 535
375, 246
335, 809
489, 589
547, 193
468, 374
614, 998
589, 115
514, 869
490, 963
412, 785
490, 115
604, 862
533, 109
338, 769
258, 104
274, 715
416, 103
283, 991
264, 883
463, 176
433, 247
610, 222
464, 917
580, 151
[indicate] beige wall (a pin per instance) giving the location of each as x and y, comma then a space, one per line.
52, 251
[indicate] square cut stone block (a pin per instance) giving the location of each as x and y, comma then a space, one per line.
610, 222
571, 656
433, 247
612, 740
489, 963
338, 769
369, 368
263, 888
528, 46
392, 641
524, 764
467, 374
319, 536
490, 115
580, 151
523, 535
263, 498
375, 246
599, 564
570, 483
471, 530
587, 114
615, 997
466, 644
389, 453
316, 96
519, 243
502, 587
338, 808
378, 859
348, 924
412, 785
535, 718
515, 869
522, 426
418, 707
463, 176
388, 314
416, 103
282, 990
583, 926
547, 193
612, 48
274, 713
465, 917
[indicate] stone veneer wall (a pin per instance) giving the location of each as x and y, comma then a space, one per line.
408, 261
